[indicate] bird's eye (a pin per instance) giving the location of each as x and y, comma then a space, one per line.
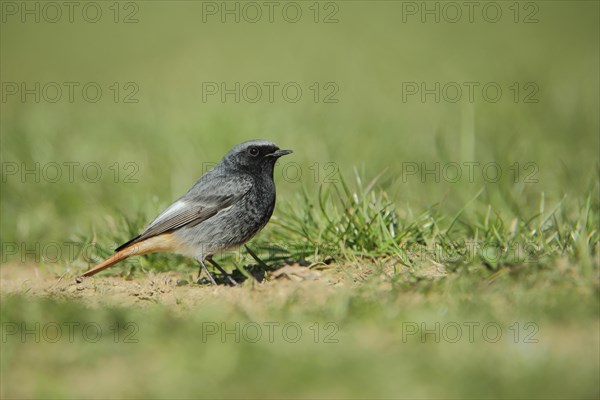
253, 151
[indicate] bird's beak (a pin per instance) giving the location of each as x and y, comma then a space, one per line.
279, 153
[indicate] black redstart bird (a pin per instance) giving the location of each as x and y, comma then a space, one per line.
224, 209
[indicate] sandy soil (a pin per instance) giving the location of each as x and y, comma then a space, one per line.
172, 289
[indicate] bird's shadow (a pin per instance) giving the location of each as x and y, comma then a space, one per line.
259, 271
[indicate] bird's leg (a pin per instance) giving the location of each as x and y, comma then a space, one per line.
210, 277
217, 266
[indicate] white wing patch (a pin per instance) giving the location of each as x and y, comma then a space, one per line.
173, 209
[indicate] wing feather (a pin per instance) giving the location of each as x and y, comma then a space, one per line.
212, 193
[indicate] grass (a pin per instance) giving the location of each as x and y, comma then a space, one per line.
349, 224
372, 332
377, 251
489, 316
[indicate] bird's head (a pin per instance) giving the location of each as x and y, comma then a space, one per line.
254, 156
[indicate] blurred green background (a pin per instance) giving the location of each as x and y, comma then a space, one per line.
369, 52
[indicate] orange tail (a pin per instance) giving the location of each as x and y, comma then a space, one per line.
162, 242
109, 262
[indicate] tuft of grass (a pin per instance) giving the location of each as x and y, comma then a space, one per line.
350, 222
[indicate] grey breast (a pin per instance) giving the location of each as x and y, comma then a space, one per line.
233, 226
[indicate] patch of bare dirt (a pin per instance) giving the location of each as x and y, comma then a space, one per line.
314, 283
169, 288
